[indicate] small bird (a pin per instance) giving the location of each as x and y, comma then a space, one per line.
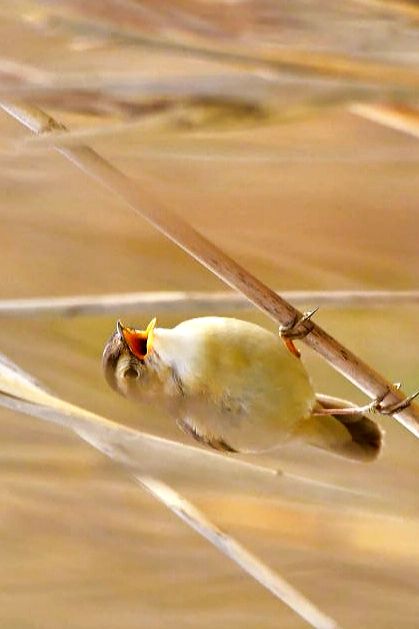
234, 386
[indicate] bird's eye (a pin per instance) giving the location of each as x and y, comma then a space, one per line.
131, 372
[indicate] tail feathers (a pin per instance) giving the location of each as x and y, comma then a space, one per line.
352, 436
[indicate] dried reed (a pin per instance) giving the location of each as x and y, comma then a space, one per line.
176, 301
148, 458
137, 196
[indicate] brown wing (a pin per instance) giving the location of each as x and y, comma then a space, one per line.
217, 443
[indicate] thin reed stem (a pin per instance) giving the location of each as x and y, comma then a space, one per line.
176, 301
397, 116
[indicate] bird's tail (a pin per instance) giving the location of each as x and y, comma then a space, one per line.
354, 436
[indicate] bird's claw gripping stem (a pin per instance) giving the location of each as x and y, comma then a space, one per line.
296, 329
377, 406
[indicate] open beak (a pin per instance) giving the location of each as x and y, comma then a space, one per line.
139, 342
120, 328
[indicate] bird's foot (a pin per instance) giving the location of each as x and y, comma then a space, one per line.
377, 406
296, 329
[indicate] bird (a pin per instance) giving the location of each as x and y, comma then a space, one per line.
234, 386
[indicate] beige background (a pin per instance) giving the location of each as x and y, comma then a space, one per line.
325, 202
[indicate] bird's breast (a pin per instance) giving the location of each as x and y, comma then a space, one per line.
236, 381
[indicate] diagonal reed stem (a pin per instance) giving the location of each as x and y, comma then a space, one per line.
399, 117
138, 197
151, 459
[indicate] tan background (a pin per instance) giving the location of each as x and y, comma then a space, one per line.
325, 202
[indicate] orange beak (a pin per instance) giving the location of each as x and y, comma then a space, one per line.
139, 342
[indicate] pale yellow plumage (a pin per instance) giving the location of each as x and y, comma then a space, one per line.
239, 380
232, 385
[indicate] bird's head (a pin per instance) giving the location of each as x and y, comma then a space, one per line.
126, 357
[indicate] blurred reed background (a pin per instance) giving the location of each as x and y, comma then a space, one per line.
241, 114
